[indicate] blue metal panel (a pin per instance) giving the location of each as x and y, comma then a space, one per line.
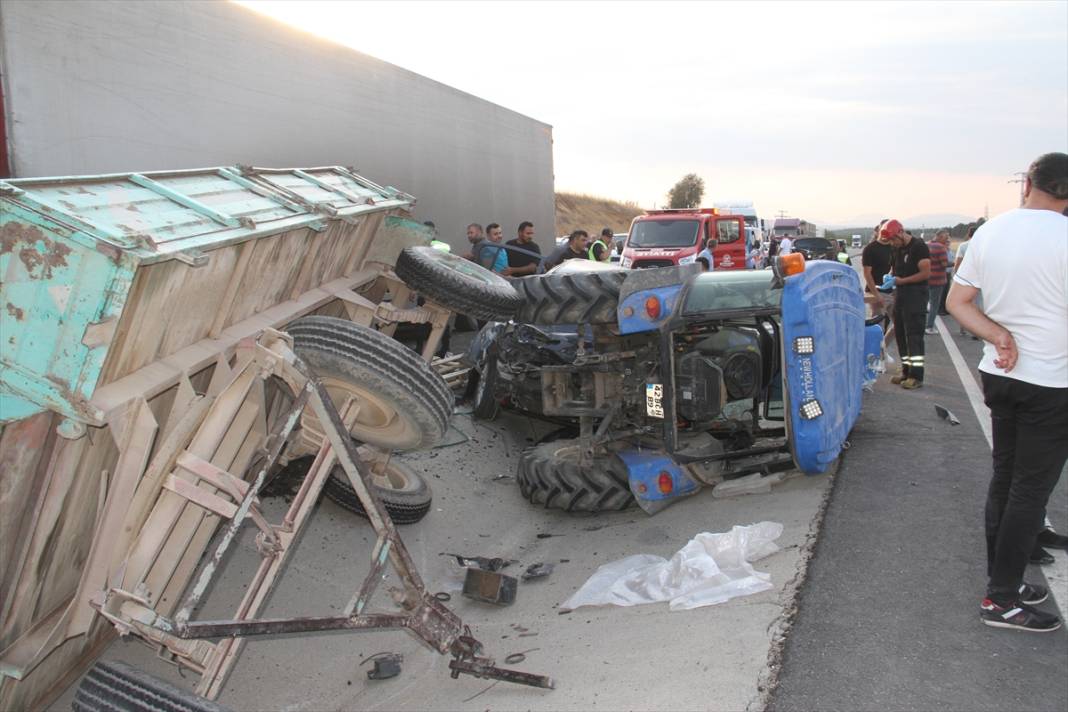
56, 285
873, 349
644, 468
634, 318
825, 303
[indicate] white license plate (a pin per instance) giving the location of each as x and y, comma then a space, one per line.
654, 400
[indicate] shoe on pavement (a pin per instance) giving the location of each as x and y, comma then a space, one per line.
1040, 556
1051, 539
1031, 594
911, 384
930, 332
1018, 616
898, 379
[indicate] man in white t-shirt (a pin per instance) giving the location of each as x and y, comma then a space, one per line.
786, 246
1025, 378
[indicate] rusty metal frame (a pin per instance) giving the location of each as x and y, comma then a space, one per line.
185, 639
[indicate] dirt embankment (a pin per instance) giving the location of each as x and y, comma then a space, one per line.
592, 214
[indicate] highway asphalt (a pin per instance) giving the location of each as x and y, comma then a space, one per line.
888, 615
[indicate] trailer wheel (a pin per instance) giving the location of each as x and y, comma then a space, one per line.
403, 403
404, 493
550, 475
456, 283
486, 406
111, 686
576, 298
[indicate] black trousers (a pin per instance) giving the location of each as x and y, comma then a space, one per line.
1030, 432
910, 319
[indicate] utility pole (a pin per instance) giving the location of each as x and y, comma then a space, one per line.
782, 214
1019, 179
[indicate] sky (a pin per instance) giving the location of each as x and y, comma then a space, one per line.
833, 112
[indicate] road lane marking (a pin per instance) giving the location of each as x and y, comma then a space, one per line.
1057, 572
967, 379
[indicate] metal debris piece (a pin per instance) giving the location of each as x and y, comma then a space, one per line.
946, 414
386, 665
539, 570
481, 562
490, 587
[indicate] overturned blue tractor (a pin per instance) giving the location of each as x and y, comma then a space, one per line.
668, 380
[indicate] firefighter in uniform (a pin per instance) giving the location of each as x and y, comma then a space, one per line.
912, 267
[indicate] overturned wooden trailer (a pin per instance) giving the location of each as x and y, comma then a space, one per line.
146, 392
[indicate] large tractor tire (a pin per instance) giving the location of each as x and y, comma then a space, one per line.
404, 493
403, 403
456, 283
550, 475
575, 298
111, 686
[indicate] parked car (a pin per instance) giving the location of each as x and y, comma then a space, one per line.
670, 379
816, 248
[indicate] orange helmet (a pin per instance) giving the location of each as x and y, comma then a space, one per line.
891, 228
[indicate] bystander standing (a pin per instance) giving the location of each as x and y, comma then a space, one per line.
936, 283
526, 255
1025, 379
573, 249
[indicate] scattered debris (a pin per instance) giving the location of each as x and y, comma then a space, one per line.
503, 478
756, 483
539, 570
443, 596
481, 562
516, 658
490, 587
946, 414
711, 568
546, 535
386, 665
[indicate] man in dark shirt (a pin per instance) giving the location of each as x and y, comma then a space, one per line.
912, 267
520, 260
573, 249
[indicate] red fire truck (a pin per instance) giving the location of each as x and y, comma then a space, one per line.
662, 238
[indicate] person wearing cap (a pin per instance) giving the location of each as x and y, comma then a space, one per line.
911, 269
601, 248
1024, 372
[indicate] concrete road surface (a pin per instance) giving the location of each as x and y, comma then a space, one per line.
608, 658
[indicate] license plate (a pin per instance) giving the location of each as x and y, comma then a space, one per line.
654, 400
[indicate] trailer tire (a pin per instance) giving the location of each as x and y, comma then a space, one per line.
576, 298
407, 499
550, 475
456, 283
111, 686
404, 403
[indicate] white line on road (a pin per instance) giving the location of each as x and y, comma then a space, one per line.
1057, 572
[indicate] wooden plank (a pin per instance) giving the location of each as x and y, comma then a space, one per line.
201, 497
237, 279
134, 449
164, 373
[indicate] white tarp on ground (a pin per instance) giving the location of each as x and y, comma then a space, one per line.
711, 568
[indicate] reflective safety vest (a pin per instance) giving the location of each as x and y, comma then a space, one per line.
843, 257
591, 254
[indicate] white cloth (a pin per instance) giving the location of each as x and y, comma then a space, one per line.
711, 568
786, 246
1020, 262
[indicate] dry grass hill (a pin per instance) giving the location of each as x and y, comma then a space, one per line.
592, 214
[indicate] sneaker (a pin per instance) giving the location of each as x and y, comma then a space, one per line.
1031, 594
911, 384
1050, 538
930, 332
1040, 556
1019, 616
